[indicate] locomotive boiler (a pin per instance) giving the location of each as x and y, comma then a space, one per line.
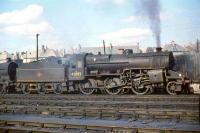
117, 62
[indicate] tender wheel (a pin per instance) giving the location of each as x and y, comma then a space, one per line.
87, 87
171, 88
2, 88
41, 89
26, 89
57, 88
140, 89
112, 86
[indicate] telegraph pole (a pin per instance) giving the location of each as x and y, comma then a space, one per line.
104, 47
37, 35
197, 46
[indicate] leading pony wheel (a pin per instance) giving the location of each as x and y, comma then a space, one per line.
171, 87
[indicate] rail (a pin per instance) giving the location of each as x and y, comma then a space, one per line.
102, 113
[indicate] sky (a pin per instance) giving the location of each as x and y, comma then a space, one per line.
66, 24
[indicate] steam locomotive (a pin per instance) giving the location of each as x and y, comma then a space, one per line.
141, 73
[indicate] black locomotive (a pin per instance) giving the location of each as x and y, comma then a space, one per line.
87, 73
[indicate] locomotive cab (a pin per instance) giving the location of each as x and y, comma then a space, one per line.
76, 69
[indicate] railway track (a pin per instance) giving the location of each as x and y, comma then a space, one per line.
158, 101
129, 108
58, 124
105, 113
192, 98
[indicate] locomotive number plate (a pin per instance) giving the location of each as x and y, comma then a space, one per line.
76, 74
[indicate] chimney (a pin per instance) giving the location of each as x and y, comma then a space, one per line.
43, 49
158, 49
17, 55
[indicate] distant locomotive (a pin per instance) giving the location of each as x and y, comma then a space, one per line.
88, 73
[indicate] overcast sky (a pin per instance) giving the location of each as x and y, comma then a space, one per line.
68, 23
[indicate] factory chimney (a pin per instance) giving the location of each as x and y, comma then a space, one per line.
37, 46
